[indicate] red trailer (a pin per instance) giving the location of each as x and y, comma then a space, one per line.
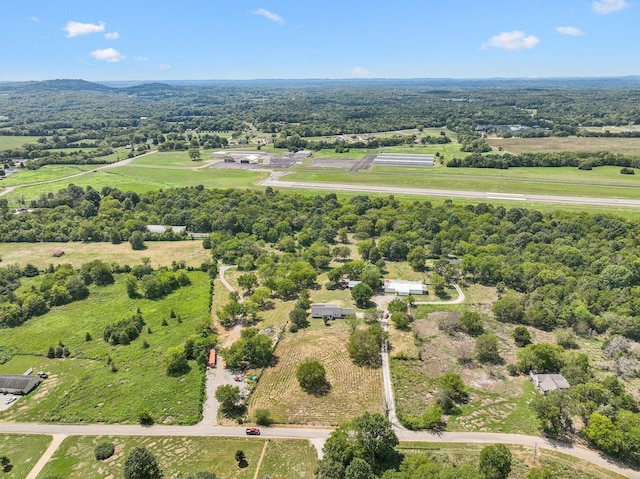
213, 359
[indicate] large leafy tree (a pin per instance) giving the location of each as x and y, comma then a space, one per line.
141, 464
495, 461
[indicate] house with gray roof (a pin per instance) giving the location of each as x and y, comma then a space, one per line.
546, 383
17, 384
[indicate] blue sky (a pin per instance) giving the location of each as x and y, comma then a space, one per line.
247, 39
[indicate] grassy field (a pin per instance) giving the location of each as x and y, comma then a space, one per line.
560, 465
141, 180
172, 158
181, 456
46, 173
497, 401
624, 146
449, 150
469, 183
84, 388
354, 390
23, 451
161, 253
8, 142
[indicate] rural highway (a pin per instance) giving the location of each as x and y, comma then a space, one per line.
474, 195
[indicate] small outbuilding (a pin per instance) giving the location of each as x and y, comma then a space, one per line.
546, 383
18, 384
330, 311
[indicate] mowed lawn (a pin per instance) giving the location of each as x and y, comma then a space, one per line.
9, 142
625, 188
23, 451
45, 173
85, 387
624, 146
161, 253
142, 180
354, 389
173, 158
560, 465
182, 456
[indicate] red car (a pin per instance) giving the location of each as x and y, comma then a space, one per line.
252, 431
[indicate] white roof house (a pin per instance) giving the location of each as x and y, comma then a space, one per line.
404, 288
330, 311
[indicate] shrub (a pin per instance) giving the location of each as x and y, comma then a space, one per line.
521, 336
263, 417
104, 450
627, 171
145, 418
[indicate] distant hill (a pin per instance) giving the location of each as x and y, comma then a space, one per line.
55, 85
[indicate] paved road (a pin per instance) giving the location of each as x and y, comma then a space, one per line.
475, 195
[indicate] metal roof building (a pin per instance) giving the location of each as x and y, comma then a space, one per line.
399, 159
18, 384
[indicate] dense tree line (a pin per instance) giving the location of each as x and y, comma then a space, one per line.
582, 160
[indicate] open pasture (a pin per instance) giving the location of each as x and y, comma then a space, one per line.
142, 180
354, 389
88, 387
624, 146
161, 253
179, 457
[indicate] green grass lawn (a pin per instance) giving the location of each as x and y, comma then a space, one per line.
9, 142
624, 146
142, 180
181, 456
23, 451
560, 465
483, 184
83, 388
46, 173
172, 158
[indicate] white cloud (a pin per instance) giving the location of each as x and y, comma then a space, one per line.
605, 7
140, 59
33, 18
112, 35
110, 55
512, 41
571, 31
165, 66
361, 72
75, 29
274, 17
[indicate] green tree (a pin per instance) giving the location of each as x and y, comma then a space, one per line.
438, 283
241, 458
228, 396
359, 469
312, 376
137, 241
5, 462
397, 305
248, 282
141, 464
400, 320
486, 349
175, 360
365, 344
263, 417
361, 294
521, 336
509, 309
541, 358
554, 411
194, 154
472, 324
495, 461
298, 318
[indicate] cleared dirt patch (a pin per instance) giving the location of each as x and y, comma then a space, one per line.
354, 390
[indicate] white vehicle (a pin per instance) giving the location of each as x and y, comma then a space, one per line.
9, 400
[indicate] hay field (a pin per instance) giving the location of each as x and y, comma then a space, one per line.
354, 389
161, 253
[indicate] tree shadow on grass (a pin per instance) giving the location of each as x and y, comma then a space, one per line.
320, 390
